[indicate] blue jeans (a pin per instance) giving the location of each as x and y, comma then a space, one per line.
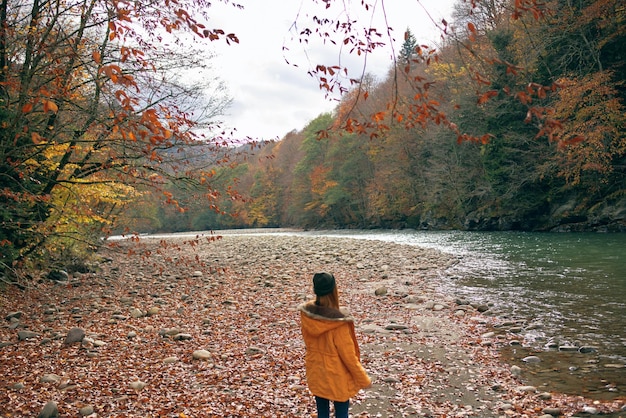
323, 408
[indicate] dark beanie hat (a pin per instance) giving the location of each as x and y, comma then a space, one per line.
323, 283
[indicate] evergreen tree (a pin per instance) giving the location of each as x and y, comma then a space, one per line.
408, 47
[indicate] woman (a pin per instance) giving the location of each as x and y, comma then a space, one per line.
333, 366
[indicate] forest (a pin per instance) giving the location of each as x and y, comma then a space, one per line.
510, 124
515, 121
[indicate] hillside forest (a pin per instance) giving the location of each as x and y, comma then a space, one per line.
524, 129
514, 121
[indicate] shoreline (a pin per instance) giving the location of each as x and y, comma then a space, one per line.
427, 355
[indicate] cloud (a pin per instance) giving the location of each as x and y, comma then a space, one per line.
272, 97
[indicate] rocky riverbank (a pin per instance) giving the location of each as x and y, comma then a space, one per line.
183, 327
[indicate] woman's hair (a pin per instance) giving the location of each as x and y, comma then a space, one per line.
330, 300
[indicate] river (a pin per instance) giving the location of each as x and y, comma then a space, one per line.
571, 287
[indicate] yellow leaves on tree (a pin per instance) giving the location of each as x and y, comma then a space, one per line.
320, 184
80, 212
592, 135
86, 205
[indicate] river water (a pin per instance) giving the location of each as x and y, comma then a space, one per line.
571, 287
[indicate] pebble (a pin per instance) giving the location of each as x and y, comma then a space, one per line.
75, 335
170, 332
516, 371
137, 385
395, 327
555, 412
415, 299
201, 355
58, 275
481, 307
26, 335
137, 313
14, 315
50, 410
252, 351
50, 378
545, 396
590, 410
86, 410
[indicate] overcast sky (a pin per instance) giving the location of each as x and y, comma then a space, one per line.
270, 96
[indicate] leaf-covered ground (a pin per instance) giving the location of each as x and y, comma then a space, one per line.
235, 299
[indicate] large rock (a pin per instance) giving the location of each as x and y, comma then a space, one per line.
14, 315
58, 275
201, 355
137, 313
26, 335
75, 335
381, 291
86, 410
50, 378
50, 410
137, 385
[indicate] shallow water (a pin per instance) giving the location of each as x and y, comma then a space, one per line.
571, 286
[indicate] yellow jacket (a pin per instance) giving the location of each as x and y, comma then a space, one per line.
333, 365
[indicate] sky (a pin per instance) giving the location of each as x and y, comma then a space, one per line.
272, 97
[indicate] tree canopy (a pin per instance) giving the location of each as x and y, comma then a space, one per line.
490, 130
94, 113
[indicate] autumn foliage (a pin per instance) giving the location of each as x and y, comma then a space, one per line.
514, 121
94, 113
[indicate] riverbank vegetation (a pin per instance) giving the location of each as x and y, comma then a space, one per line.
95, 105
511, 124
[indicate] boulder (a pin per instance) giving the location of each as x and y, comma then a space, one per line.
75, 335
50, 410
